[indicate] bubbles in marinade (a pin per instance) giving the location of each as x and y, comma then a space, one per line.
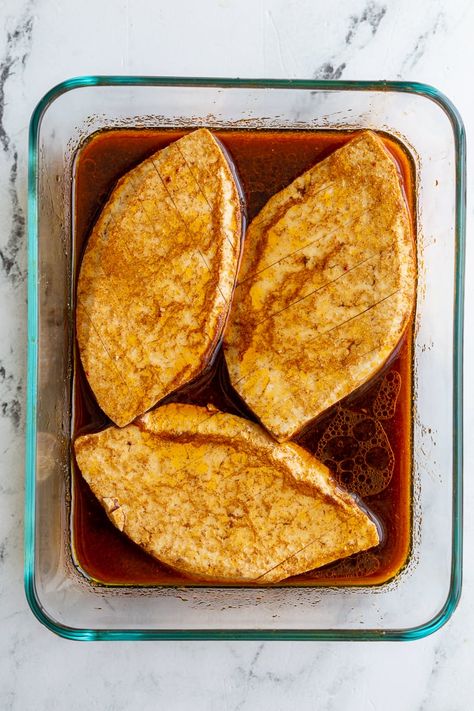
387, 396
356, 566
355, 447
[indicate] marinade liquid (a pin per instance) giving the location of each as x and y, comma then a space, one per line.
365, 439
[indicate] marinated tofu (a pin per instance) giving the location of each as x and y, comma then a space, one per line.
157, 276
215, 497
326, 287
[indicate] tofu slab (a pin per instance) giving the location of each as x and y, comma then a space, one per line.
215, 497
326, 287
157, 276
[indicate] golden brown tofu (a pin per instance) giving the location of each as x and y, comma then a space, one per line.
215, 497
157, 276
326, 287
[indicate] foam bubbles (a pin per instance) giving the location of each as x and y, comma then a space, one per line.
387, 396
360, 565
355, 447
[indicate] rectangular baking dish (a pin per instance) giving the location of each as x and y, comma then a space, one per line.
424, 594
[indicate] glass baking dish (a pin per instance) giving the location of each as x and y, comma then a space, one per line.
425, 593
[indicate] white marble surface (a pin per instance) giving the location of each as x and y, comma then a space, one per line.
45, 41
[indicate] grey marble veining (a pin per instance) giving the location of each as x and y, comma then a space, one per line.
41, 43
361, 28
15, 55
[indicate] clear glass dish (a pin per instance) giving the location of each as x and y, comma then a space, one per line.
423, 596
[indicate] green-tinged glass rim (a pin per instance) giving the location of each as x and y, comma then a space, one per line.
452, 600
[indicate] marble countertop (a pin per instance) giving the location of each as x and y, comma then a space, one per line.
45, 41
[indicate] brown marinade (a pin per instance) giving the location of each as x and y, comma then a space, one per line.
365, 439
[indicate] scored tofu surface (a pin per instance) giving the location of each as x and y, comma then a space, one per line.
214, 496
157, 276
326, 287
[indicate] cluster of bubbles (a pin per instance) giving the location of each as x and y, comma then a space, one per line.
355, 447
359, 565
387, 396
